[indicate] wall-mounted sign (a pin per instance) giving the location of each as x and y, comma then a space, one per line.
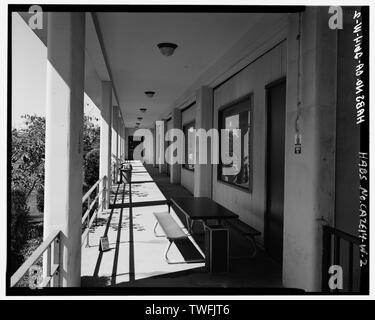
103, 244
297, 143
35, 276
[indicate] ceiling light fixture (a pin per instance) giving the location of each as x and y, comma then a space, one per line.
143, 110
150, 94
166, 48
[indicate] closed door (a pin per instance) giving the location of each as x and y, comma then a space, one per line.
275, 169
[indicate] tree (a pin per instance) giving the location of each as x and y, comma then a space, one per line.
18, 227
91, 167
28, 152
91, 135
27, 174
91, 145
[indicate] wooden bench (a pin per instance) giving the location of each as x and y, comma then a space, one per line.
247, 231
172, 231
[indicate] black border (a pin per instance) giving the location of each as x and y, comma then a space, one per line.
160, 8
364, 135
238, 309
364, 130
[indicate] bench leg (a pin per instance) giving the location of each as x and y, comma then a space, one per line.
155, 233
188, 224
191, 226
167, 250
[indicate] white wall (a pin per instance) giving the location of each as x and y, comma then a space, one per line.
187, 176
250, 206
309, 176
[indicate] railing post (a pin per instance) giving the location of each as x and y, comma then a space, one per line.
89, 204
56, 260
103, 195
99, 195
88, 231
88, 201
105, 192
48, 263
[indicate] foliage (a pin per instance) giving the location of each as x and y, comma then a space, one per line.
91, 135
27, 175
19, 226
91, 153
40, 198
28, 153
91, 166
34, 240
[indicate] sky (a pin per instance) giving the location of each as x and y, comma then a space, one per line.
29, 62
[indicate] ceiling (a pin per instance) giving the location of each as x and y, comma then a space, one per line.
129, 41
137, 65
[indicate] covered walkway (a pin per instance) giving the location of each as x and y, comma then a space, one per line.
136, 256
159, 76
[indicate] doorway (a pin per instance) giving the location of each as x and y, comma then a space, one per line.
132, 144
274, 224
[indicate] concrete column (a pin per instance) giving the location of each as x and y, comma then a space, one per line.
118, 133
115, 140
105, 143
156, 146
120, 129
122, 135
117, 128
124, 141
126, 146
64, 121
161, 146
175, 174
152, 155
203, 120
310, 175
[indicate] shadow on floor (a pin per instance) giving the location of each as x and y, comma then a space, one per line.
259, 272
243, 273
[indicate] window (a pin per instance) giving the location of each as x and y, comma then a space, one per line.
236, 120
189, 134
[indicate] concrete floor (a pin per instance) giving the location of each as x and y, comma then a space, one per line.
136, 256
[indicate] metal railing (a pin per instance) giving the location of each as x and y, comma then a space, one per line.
88, 220
52, 246
334, 251
117, 163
